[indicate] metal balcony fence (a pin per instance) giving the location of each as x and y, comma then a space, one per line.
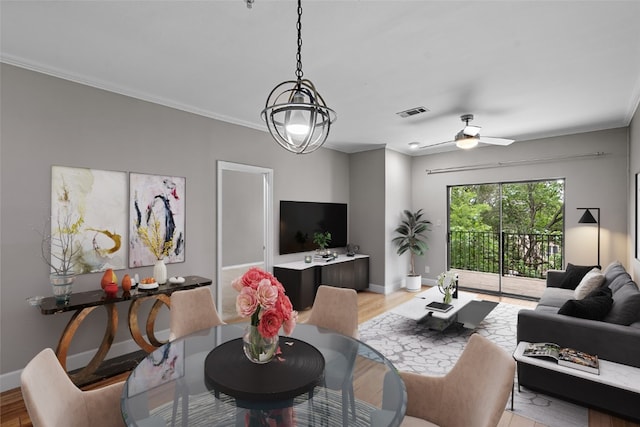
523, 254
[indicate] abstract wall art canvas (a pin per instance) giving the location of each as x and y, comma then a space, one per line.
156, 219
93, 203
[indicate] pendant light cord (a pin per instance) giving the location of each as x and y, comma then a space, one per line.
299, 54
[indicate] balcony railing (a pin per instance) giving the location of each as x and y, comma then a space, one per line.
526, 255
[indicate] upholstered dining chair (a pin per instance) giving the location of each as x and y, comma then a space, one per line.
474, 393
192, 310
52, 400
336, 309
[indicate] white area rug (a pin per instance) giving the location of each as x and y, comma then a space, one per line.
415, 348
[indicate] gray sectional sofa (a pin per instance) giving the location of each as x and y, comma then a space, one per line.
615, 337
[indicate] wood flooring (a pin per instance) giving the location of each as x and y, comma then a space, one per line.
14, 414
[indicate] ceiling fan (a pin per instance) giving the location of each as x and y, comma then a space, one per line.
469, 136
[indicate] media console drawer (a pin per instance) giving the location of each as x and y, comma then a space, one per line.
301, 280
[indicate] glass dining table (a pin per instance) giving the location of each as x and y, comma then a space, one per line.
318, 378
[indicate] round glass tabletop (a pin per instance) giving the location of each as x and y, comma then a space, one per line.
359, 386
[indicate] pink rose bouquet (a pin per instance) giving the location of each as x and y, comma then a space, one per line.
262, 297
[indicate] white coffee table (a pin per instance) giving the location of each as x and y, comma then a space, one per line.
467, 310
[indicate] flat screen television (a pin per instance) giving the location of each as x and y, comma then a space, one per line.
300, 220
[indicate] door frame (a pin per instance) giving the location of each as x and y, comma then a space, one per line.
267, 238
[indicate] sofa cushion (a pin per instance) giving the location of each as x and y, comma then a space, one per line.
613, 270
555, 297
590, 282
594, 306
626, 305
574, 274
618, 282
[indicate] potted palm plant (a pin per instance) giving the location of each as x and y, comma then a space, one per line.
411, 238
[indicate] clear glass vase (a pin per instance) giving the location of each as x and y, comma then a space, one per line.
62, 285
257, 348
447, 297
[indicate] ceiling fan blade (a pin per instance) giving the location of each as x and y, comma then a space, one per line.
437, 144
471, 130
495, 141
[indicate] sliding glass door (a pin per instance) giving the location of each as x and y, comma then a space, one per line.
503, 237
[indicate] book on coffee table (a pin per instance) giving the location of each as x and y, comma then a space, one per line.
564, 356
439, 306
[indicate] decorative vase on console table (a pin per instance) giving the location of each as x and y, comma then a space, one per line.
261, 296
160, 272
62, 285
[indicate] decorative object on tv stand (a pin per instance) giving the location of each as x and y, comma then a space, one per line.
60, 248
448, 286
296, 115
322, 239
262, 297
411, 238
352, 249
587, 218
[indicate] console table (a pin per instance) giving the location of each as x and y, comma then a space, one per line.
301, 279
83, 303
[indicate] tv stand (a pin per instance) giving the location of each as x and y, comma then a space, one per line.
301, 279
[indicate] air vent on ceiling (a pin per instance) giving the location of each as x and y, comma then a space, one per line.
412, 112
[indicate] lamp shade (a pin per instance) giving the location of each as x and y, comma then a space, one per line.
587, 218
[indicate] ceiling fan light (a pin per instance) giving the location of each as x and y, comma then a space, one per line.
466, 142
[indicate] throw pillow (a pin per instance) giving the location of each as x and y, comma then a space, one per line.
626, 305
591, 281
594, 306
574, 274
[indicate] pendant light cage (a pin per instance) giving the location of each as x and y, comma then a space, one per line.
298, 103
296, 115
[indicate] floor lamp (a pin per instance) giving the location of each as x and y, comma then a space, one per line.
587, 218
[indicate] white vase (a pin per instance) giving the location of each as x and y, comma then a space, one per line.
160, 272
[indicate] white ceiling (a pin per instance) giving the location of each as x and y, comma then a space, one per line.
526, 69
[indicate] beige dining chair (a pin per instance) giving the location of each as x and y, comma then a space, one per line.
336, 309
474, 393
192, 310
53, 400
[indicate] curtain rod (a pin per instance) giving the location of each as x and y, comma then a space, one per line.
515, 163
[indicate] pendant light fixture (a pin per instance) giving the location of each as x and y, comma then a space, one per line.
296, 115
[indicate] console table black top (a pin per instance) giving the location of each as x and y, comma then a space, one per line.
296, 370
80, 300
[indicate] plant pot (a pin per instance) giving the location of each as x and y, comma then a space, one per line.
414, 283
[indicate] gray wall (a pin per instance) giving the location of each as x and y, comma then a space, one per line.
634, 167
367, 210
48, 121
595, 182
398, 187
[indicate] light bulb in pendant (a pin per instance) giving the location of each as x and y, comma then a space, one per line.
296, 123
